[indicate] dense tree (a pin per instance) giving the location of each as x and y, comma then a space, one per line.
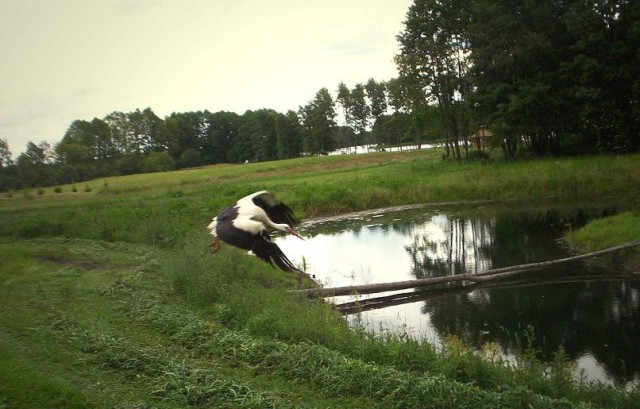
318, 123
433, 61
392, 129
345, 137
264, 135
105, 147
39, 154
256, 138
343, 98
75, 161
221, 136
5, 154
288, 135
7, 168
377, 95
146, 132
78, 138
558, 77
361, 106
545, 76
33, 166
187, 132
360, 110
118, 123
601, 66
515, 61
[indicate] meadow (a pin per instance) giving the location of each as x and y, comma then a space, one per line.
109, 296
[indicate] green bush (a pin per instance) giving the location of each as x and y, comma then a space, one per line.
158, 162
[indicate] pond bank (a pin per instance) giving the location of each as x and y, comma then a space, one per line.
436, 244
610, 231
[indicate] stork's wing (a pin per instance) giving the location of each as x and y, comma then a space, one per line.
271, 253
277, 211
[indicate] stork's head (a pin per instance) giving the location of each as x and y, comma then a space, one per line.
287, 229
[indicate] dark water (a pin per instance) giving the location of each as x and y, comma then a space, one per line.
589, 309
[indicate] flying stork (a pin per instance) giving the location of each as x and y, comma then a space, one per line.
247, 225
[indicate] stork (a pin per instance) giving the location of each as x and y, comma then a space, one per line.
248, 223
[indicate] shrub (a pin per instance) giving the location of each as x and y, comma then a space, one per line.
189, 158
158, 162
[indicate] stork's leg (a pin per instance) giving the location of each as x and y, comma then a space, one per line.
215, 245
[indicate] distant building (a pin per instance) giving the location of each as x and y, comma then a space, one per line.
481, 138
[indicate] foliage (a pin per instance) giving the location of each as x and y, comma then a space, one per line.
5, 154
318, 122
110, 298
547, 77
434, 60
158, 162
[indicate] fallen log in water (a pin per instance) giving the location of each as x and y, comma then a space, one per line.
493, 274
366, 304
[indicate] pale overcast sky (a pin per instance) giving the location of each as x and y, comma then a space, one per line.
63, 60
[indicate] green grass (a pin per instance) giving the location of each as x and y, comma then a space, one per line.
608, 232
109, 296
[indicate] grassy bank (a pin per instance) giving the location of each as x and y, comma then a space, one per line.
609, 232
109, 297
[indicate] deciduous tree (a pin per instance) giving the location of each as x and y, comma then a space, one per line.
318, 123
434, 63
5, 154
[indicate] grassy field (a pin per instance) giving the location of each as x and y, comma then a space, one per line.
109, 297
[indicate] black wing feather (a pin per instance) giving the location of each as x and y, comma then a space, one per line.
277, 211
231, 234
260, 244
268, 251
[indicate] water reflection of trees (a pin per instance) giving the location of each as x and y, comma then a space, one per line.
459, 249
605, 316
604, 320
473, 244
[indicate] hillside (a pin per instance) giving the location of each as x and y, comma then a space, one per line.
109, 296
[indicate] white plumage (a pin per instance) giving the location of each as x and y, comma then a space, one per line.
248, 224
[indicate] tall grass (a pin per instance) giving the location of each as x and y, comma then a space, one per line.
333, 373
335, 184
162, 215
118, 282
108, 312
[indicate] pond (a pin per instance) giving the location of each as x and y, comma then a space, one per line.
589, 309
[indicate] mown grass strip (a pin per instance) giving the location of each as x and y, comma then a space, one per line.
166, 377
47, 391
328, 371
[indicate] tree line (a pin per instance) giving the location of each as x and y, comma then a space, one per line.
542, 77
546, 77
140, 141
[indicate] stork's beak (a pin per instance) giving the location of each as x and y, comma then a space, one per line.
295, 233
